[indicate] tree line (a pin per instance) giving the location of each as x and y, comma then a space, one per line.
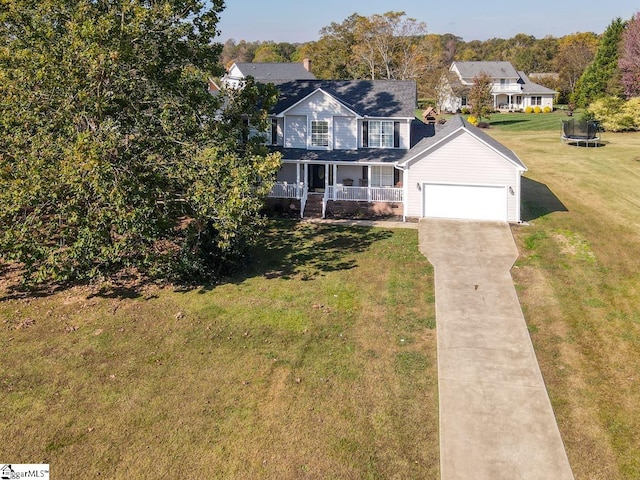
395, 46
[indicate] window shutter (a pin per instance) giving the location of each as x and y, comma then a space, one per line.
396, 134
274, 131
365, 134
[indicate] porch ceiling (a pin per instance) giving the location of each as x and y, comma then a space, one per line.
370, 155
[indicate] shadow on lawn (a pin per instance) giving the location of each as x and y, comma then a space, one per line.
307, 250
496, 123
538, 200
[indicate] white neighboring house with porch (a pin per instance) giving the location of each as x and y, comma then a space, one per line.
354, 145
511, 89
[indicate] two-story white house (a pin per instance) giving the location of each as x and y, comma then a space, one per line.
511, 89
350, 145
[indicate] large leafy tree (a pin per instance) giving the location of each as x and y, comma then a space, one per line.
630, 58
575, 53
601, 77
331, 53
480, 96
113, 155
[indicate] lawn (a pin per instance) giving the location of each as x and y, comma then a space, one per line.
528, 122
318, 362
579, 284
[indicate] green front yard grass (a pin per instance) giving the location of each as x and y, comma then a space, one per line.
578, 279
318, 362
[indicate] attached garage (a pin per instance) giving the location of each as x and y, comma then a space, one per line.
461, 172
473, 202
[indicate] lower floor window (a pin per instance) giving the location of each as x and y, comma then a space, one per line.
381, 176
536, 100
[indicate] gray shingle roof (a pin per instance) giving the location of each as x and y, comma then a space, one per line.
271, 72
374, 98
493, 69
530, 87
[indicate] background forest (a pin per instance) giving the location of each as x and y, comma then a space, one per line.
394, 46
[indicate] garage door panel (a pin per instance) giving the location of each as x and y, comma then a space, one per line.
474, 202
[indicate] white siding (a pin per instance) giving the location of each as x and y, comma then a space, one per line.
295, 131
320, 106
464, 160
405, 133
345, 132
287, 173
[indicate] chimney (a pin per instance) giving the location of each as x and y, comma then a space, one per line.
306, 63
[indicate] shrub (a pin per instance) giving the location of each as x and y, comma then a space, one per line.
537, 109
616, 115
529, 109
472, 120
547, 109
465, 110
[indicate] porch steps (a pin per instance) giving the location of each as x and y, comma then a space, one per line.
313, 207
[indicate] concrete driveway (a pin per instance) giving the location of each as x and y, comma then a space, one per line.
496, 420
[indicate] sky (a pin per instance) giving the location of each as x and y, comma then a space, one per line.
298, 21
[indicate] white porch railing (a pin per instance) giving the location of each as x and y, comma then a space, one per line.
298, 191
287, 190
364, 194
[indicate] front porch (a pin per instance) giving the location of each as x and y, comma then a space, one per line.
508, 102
338, 185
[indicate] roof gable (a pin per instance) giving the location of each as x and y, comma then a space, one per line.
339, 106
373, 98
455, 127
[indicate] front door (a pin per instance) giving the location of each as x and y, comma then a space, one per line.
316, 177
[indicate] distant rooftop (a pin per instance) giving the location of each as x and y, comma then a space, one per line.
271, 72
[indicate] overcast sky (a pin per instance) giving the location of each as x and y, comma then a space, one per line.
300, 20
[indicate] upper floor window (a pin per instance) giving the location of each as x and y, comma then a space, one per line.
381, 134
503, 82
319, 133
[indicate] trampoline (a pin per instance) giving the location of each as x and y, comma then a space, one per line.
578, 132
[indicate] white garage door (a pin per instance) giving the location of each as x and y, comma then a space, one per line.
474, 202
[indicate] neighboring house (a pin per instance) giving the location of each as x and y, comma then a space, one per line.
511, 89
267, 72
354, 145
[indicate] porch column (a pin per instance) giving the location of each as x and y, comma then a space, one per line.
306, 174
335, 180
510, 100
298, 193
326, 176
